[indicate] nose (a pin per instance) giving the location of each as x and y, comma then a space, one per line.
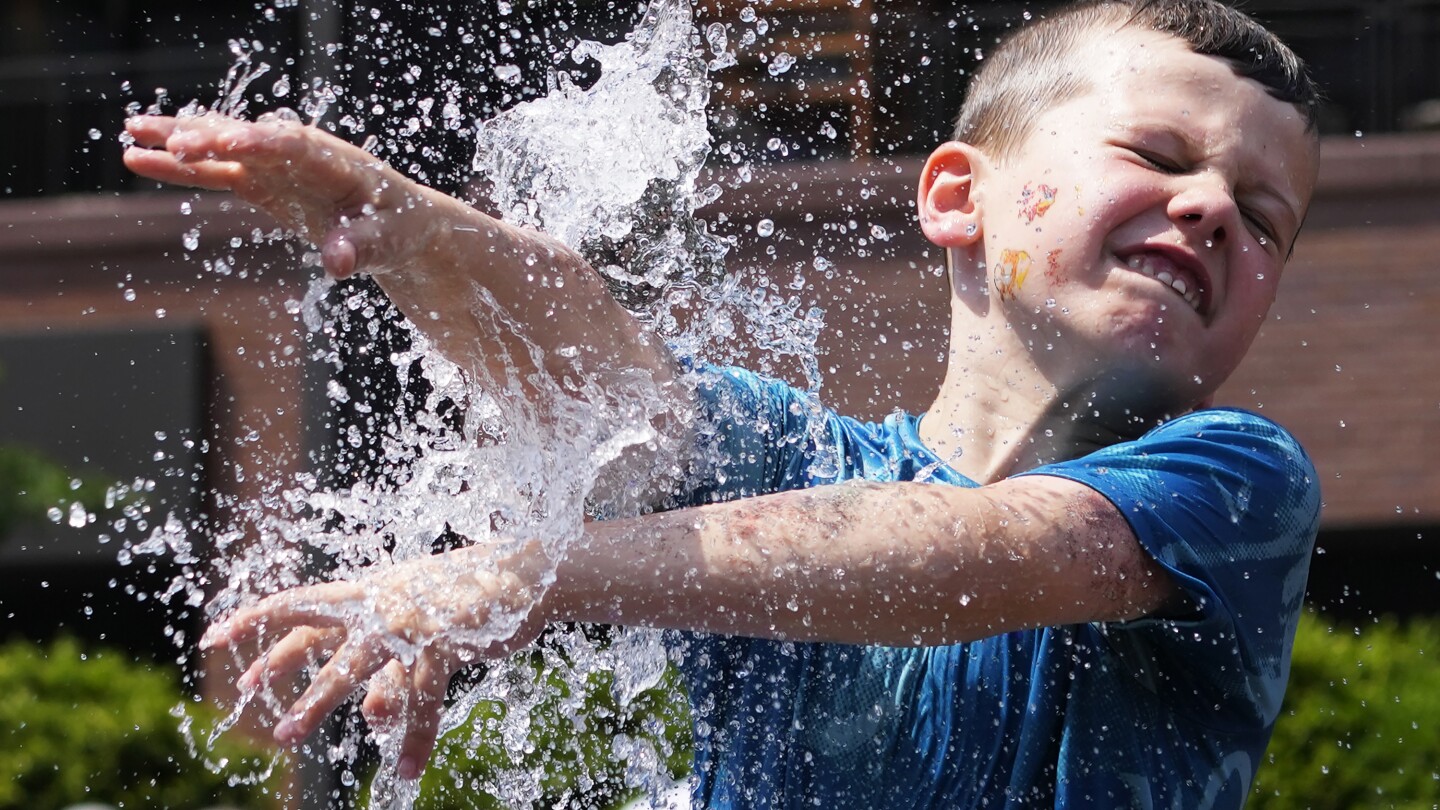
1203, 209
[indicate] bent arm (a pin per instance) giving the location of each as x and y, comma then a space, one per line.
897, 564
441, 261
506, 304
549, 299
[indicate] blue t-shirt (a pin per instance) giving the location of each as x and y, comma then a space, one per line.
1147, 713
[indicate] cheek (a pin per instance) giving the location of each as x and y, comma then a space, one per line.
1053, 270
1036, 200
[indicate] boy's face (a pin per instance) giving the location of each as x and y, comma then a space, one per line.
1138, 234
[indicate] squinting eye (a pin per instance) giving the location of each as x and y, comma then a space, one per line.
1158, 161
1262, 228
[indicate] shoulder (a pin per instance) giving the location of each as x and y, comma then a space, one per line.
1229, 503
1236, 458
1216, 432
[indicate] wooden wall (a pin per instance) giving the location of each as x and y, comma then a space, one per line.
1347, 361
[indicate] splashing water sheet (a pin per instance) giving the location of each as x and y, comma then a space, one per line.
612, 171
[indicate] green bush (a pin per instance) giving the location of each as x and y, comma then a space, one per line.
1361, 721
571, 749
78, 727
1360, 728
31, 484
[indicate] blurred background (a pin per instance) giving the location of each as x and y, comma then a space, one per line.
144, 337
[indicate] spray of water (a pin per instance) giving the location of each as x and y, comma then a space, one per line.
612, 171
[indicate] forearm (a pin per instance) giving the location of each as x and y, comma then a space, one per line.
895, 564
490, 296
487, 293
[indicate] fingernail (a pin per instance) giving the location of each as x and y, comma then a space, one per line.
407, 768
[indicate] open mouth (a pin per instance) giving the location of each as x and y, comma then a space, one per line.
1182, 280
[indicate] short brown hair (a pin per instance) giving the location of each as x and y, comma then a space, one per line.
1031, 71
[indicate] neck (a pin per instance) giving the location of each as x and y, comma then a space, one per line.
998, 414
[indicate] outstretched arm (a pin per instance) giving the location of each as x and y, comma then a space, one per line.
435, 256
893, 563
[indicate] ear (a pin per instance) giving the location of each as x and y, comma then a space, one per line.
947, 203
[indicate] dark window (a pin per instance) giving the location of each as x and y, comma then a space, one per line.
868, 76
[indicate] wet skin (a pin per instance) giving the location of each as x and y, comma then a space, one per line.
1178, 167
1161, 174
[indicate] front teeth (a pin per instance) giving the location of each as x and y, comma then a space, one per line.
1143, 265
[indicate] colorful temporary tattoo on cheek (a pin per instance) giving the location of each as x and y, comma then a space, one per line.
1052, 265
1035, 202
1010, 272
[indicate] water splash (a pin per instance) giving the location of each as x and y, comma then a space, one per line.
612, 171
585, 165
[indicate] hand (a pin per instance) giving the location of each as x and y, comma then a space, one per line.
341, 198
404, 631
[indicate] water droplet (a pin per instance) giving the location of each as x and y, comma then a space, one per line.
78, 516
781, 63
191, 239
765, 227
95, 134
510, 74
717, 38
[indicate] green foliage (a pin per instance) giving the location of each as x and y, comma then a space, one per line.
1361, 721
31, 484
570, 744
1360, 728
78, 727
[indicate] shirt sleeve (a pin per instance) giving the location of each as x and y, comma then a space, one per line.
757, 435
1229, 503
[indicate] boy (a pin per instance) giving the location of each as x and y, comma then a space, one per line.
1096, 612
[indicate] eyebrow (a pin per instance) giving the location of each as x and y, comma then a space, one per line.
1258, 185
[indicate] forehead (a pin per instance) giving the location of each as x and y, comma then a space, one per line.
1144, 79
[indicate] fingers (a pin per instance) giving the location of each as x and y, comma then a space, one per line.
354, 243
410, 702
339, 255
216, 137
151, 131
297, 649
351, 666
430, 680
387, 696
165, 167
314, 605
